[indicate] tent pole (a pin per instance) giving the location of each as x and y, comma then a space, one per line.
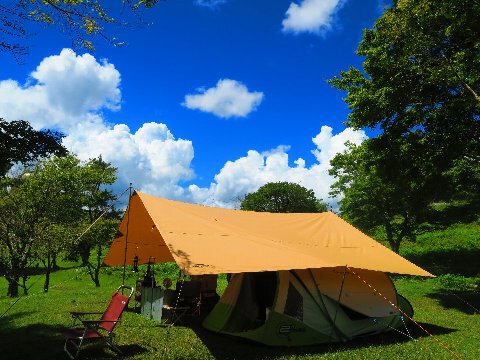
126, 235
320, 298
339, 297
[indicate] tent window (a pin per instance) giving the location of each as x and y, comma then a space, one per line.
294, 303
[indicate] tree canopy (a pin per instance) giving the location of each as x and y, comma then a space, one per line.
82, 20
419, 89
419, 85
19, 142
42, 212
283, 197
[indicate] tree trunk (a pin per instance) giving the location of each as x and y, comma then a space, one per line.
99, 263
47, 281
395, 245
48, 268
85, 255
54, 262
12, 290
97, 279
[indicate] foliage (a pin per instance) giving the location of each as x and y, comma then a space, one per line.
451, 282
81, 19
283, 197
420, 83
19, 142
97, 200
33, 208
419, 87
99, 236
397, 203
41, 214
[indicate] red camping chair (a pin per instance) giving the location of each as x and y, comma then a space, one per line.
97, 330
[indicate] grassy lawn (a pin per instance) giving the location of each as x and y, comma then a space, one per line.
31, 329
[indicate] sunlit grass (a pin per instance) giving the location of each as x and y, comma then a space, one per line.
445, 306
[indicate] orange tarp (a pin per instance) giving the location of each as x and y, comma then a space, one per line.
207, 240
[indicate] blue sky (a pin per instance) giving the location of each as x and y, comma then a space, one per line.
210, 101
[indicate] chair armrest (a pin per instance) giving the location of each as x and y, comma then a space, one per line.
94, 323
99, 321
80, 313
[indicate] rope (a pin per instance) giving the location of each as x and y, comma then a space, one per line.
406, 327
467, 303
404, 314
30, 295
98, 218
17, 300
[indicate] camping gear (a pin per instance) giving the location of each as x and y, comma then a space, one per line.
186, 299
100, 330
297, 254
151, 302
304, 307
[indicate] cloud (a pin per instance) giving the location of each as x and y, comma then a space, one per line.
151, 157
68, 92
248, 173
211, 4
229, 98
313, 16
61, 90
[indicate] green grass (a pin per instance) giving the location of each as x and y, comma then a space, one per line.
443, 305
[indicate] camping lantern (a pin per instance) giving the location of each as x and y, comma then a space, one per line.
135, 264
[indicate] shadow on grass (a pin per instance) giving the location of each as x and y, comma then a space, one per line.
6, 320
227, 347
40, 270
453, 214
40, 341
461, 262
466, 302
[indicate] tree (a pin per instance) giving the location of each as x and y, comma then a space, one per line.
370, 201
420, 86
41, 213
19, 142
32, 209
100, 237
283, 197
81, 19
419, 89
97, 200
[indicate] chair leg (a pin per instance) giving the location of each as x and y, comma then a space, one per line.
109, 342
77, 348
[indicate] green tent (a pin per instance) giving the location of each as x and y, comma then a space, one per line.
310, 306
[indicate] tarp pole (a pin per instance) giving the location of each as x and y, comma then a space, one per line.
339, 297
126, 234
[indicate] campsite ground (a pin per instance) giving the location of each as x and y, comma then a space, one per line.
444, 306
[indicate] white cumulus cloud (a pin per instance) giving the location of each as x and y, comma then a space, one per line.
229, 98
61, 91
311, 16
248, 173
67, 92
151, 157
